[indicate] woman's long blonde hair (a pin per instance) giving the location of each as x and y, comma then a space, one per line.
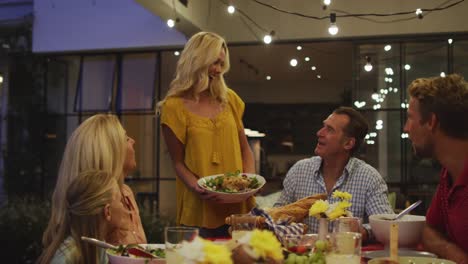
86, 197
200, 52
99, 143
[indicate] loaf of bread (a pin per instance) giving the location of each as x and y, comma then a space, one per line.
297, 211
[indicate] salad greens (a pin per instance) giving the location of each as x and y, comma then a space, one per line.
232, 182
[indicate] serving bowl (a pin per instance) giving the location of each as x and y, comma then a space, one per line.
409, 229
116, 259
232, 197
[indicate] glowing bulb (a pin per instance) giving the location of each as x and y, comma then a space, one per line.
293, 62
327, 2
368, 67
375, 96
319, 77
407, 67
379, 122
299, 47
333, 29
313, 68
387, 47
442, 74
307, 59
176, 53
419, 13
267, 39
231, 9
170, 23
450, 41
268, 77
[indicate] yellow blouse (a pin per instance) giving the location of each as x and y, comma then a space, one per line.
211, 147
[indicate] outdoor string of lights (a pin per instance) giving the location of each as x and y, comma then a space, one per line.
333, 29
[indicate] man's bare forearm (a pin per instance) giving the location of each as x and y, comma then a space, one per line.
438, 244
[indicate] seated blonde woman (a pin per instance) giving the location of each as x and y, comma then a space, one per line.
99, 143
92, 206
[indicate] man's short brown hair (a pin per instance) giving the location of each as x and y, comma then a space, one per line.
447, 98
357, 126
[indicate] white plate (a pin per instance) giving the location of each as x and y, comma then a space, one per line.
401, 252
114, 259
414, 260
232, 197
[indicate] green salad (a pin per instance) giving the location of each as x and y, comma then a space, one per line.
235, 182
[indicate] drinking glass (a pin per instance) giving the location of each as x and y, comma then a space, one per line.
174, 236
300, 244
346, 241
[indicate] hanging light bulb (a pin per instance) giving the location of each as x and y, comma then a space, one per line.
450, 41
1, 79
442, 74
231, 9
299, 47
387, 47
419, 13
327, 2
307, 59
333, 29
268, 37
170, 23
407, 67
268, 77
313, 68
293, 62
368, 67
176, 53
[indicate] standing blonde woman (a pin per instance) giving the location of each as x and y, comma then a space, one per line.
99, 143
92, 204
202, 126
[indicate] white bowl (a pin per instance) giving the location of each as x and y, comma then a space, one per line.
415, 260
409, 229
115, 259
232, 197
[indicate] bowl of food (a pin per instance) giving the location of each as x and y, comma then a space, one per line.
411, 260
232, 187
409, 229
125, 254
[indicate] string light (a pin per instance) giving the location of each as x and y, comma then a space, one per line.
333, 29
442, 74
299, 47
170, 22
359, 104
450, 41
319, 77
268, 37
313, 68
1, 79
368, 67
293, 62
231, 9
419, 13
176, 53
307, 59
387, 47
407, 67
268, 77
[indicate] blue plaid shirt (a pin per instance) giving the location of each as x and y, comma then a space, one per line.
362, 181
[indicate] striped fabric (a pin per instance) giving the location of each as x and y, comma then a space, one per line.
280, 228
362, 181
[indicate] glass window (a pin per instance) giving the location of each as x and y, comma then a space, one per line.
378, 85
138, 79
460, 58
94, 92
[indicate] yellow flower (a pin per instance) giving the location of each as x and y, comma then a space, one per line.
216, 254
337, 212
342, 195
265, 244
344, 204
318, 208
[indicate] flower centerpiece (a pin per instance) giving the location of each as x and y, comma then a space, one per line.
258, 246
201, 251
325, 211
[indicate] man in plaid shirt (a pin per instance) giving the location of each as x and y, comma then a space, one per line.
335, 168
